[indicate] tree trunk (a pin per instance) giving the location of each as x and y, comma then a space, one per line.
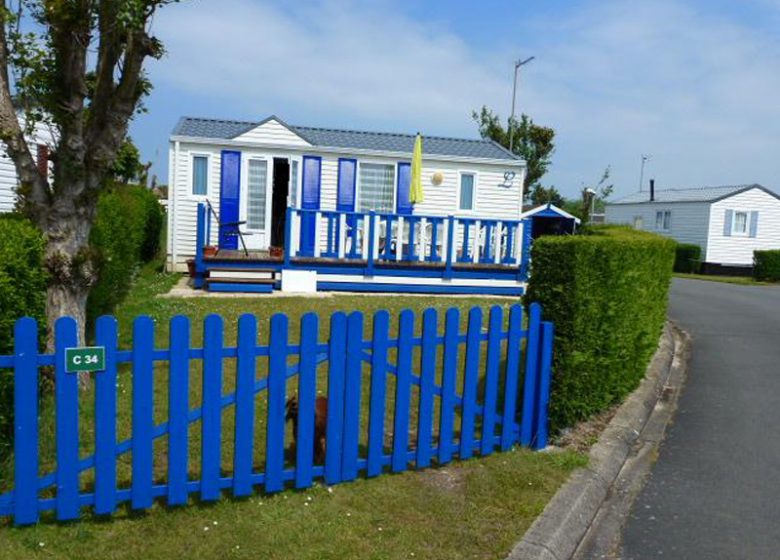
70, 263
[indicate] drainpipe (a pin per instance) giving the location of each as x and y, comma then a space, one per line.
652, 190
172, 175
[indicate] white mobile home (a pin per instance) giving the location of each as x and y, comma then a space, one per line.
329, 209
728, 223
41, 144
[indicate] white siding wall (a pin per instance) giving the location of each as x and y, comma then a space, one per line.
183, 205
272, 132
689, 221
8, 183
8, 179
738, 250
492, 200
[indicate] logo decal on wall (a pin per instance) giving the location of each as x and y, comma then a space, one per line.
509, 180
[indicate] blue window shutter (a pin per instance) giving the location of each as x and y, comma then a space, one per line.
729, 217
754, 223
310, 195
345, 198
310, 200
229, 198
402, 205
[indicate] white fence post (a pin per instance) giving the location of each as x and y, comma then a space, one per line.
399, 239
364, 237
342, 240
295, 232
423, 239
317, 233
477, 240
497, 244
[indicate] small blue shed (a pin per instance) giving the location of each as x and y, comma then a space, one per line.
548, 219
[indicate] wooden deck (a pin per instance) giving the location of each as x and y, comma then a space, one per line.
345, 251
264, 257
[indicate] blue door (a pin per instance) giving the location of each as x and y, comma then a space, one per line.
229, 199
403, 206
310, 200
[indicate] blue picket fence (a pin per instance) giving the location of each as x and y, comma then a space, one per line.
492, 387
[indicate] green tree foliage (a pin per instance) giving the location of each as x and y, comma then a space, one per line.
542, 195
595, 196
534, 143
127, 167
79, 66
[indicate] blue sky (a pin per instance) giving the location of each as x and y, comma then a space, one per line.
694, 83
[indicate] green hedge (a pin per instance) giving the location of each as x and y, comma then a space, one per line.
606, 292
22, 292
126, 232
766, 265
687, 258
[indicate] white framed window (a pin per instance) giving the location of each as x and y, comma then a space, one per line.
376, 187
739, 223
294, 183
200, 175
257, 193
467, 191
663, 220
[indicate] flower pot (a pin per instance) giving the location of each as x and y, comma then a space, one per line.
191, 267
276, 252
209, 251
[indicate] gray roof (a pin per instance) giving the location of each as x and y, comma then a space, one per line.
357, 139
699, 194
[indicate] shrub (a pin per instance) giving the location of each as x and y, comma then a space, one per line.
606, 293
687, 258
766, 265
153, 218
126, 232
22, 292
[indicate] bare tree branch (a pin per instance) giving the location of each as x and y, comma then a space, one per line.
110, 113
34, 186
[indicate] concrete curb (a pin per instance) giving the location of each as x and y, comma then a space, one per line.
583, 516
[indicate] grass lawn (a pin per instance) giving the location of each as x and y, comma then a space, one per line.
473, 509
743, 280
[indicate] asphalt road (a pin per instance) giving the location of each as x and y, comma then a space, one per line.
715, 489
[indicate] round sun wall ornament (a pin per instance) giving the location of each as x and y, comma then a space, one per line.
437, 178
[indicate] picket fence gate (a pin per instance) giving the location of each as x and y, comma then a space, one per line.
520, 416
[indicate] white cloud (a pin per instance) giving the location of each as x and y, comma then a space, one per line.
327, 59
693, 87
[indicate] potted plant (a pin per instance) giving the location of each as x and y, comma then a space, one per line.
276, 252
209, 251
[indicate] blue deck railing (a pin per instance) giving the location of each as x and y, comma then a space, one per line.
373, 240
380, 237
396, 237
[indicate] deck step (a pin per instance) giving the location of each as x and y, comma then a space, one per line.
240, 281
225, 273
240, 285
